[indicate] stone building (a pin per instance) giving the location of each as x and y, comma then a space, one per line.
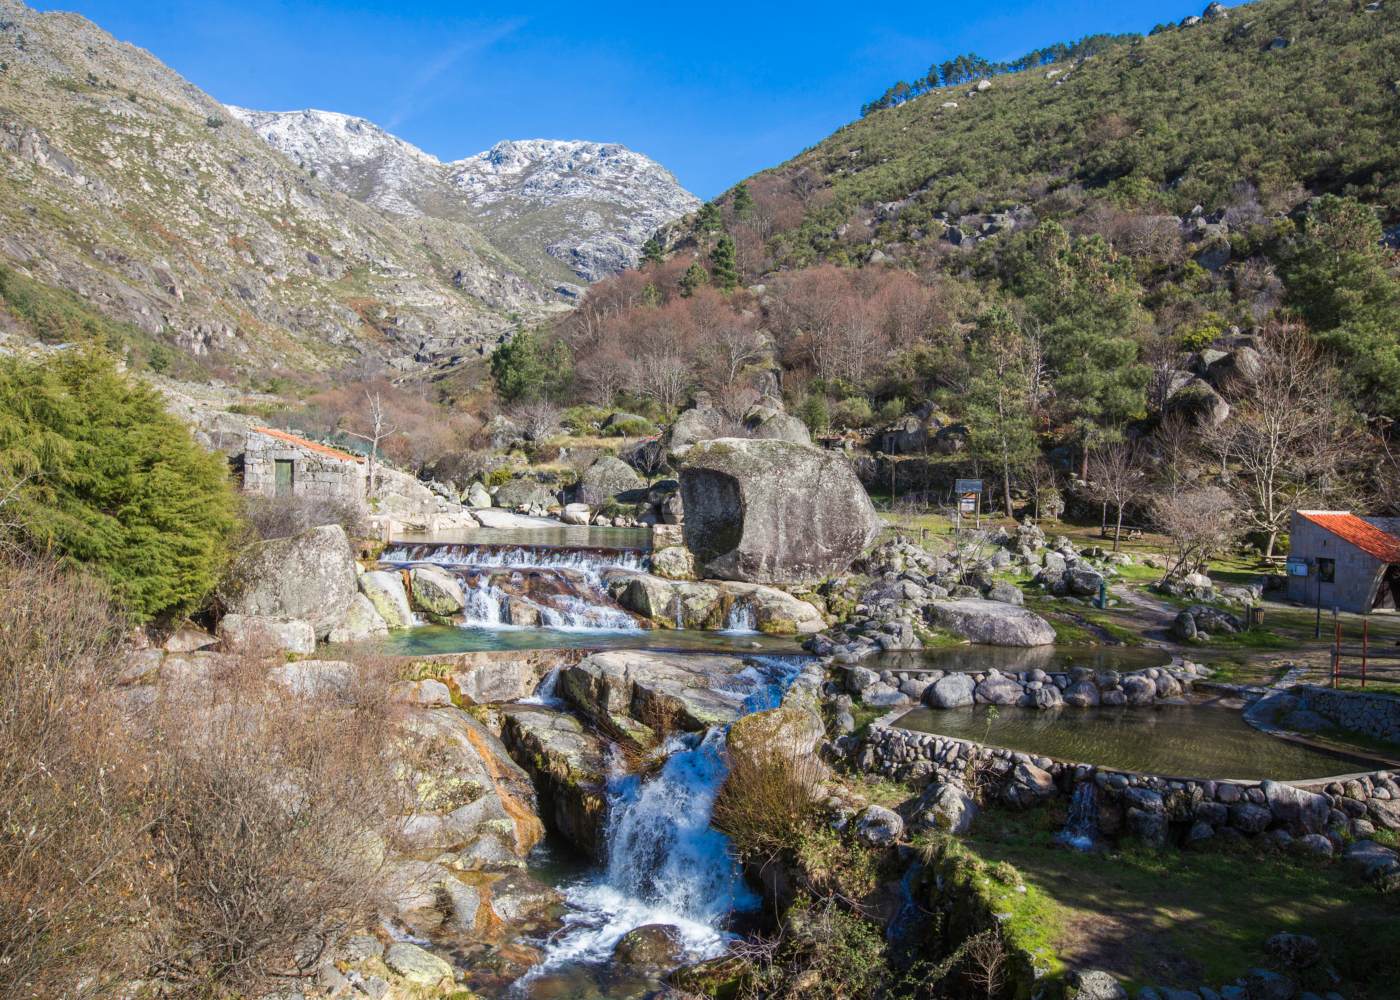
276, 463
1344, 561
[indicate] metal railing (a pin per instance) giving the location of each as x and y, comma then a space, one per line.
1378, 663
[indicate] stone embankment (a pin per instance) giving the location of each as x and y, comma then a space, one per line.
1320, 816
1369, 713
1080, 687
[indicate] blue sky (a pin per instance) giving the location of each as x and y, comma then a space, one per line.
714, 91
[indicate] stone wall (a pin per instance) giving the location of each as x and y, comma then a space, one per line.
1081, 687
317, 473
1367, 712
1319, 815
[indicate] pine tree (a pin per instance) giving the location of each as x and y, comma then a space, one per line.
1339, 281
709, 220
998, 400
743, 202
1088, 303
722, 260
524, 368
694, 277
652, 252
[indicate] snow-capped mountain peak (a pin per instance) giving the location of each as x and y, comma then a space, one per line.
588, 206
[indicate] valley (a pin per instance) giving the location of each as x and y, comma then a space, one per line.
958, 561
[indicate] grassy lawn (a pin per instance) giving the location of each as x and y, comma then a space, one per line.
1187, 919
1244, 669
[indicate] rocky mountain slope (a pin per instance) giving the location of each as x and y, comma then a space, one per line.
569, 210
125, 186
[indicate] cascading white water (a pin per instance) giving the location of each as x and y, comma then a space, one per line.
666, 864
486, 605
740, 618
571, 612
1083, 822
544, 694
574, 598
592, 562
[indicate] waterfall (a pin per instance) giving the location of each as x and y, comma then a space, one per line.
486, 605
740, 618
1083, 823
572, 612
666, 864
678, 610
544, 694
592, 562
564, 586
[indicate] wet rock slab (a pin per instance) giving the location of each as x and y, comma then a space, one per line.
635, 693
570, 768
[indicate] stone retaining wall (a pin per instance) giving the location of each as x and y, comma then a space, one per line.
1318, 814
1081, 687
1367, 712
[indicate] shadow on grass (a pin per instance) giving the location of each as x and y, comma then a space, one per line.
1186, 919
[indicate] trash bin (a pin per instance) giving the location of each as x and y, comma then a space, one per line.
1256, 616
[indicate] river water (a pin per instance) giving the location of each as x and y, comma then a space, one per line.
1196, 741
665, 865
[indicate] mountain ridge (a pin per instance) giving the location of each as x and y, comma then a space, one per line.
126, 185
516, 191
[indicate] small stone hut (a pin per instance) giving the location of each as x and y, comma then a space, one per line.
276, 463
1352, 563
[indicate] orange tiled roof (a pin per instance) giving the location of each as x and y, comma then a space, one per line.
302, 442
1364, 535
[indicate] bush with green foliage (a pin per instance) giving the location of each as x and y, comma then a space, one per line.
814, 412
104, 476
527, 367
852, 412
631, 426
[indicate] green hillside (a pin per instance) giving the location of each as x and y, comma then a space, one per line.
1291, 98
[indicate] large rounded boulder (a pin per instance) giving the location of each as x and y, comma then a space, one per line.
773, 512
310, 576
604, 480
700, 423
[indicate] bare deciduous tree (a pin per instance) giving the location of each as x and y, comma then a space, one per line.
1176, 454
1118, 477
1200, 522
1287, 442
379, 430
538, 419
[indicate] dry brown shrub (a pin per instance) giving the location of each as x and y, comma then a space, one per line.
285, 516
985, 963
268, 812
209, 840
766, 801
65, 829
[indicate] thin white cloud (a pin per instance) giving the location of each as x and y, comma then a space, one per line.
407, 101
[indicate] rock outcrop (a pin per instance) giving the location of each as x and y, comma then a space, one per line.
635, 694
267, 636
772, 511
602, 481
310, 576
570, 768
991, 622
